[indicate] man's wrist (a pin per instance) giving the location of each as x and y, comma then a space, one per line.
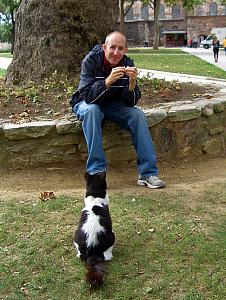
132, 85
107, 83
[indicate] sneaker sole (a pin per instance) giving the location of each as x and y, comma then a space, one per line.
150, 186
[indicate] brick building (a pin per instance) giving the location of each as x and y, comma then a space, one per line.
176, 25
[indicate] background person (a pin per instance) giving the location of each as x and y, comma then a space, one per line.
108, 90
224, 45
216, 46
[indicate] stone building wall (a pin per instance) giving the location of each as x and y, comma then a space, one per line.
196, 23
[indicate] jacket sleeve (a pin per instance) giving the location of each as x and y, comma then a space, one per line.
130, 98
91, 89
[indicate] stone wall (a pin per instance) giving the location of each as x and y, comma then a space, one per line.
179, 129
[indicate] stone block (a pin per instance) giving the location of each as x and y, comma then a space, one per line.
184, 113
155, 116
206, 107
216, 129
207, 110
216, 123
63, 140
213, 147
22, 146
28, 130
116, 138
66, 126
82, 147
218, 107
1, 130
121, 154
167, 140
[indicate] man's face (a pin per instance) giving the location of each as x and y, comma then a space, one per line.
115, 48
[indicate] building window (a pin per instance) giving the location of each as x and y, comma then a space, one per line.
213, 9
161, 11
144, 13
129, 15
176, 11
199, 10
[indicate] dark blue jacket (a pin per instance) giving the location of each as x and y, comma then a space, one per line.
92, 86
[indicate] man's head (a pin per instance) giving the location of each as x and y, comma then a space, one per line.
114, 47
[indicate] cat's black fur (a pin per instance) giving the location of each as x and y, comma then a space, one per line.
94, 238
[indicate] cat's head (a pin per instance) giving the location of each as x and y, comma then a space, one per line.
96, 185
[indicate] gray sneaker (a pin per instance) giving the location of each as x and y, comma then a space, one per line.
152, 182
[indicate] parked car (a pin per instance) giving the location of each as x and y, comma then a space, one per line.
220, 33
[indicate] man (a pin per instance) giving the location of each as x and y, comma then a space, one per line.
108, 90
224, 45
216, 45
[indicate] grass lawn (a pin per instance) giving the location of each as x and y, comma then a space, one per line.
6, 54
2, 72
159, 51
174, 60
170, 245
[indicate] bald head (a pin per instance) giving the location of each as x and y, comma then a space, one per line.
115, 34
115, 47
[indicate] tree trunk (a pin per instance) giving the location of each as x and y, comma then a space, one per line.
53, 36
122, 17
156, 23
12, 32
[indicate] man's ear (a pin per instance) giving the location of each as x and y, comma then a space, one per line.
125, 50
104, 47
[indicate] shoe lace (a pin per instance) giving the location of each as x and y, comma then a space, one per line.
154, 178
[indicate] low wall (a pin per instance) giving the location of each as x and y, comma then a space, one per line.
179, 129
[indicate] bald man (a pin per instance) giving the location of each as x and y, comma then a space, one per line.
108, 90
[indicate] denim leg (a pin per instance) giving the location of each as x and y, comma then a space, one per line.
92, 117
133, 119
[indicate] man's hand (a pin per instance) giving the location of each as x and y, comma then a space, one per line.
132, 73
116, 74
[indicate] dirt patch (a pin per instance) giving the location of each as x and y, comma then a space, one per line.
187, 176
50, 100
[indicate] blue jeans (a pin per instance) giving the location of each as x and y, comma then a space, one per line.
131, 119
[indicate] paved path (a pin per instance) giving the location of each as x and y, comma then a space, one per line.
5, 62
207, 55
168, 76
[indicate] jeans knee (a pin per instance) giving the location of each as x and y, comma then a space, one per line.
93, 112
139, 115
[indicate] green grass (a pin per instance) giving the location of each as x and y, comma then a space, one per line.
175, 60
159, 51
168, 247
6, 54
2, 72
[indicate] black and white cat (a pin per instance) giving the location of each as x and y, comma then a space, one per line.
94, 238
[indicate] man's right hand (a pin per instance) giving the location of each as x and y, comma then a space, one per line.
116, 73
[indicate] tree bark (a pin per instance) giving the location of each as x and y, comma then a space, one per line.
122, 17
156, 23
53, 36
12, 32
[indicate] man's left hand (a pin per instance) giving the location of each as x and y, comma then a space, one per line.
132, 73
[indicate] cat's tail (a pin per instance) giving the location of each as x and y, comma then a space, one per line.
95, 270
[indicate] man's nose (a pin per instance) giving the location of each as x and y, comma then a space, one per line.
116, 51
